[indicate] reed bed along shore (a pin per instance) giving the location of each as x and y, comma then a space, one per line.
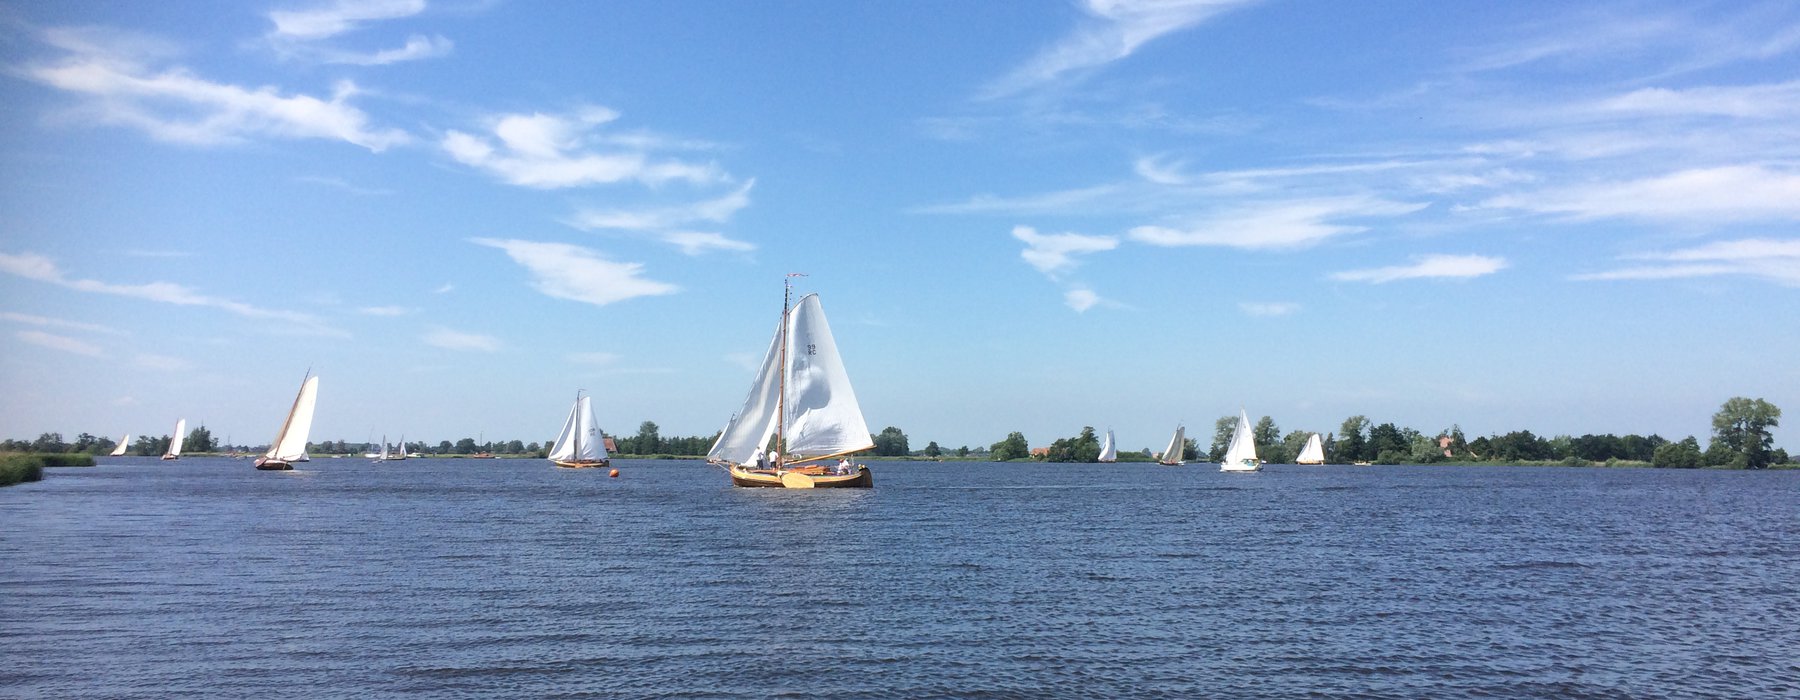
20, 468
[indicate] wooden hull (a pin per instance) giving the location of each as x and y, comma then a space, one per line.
1171, 464
170, 458
582, 464
767, 478
273, 465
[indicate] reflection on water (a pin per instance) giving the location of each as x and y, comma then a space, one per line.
507, 578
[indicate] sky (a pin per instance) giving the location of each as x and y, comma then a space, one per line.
1559, 217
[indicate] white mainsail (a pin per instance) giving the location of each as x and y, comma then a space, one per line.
1108, 452
1177, 448
1313, 452
290, 444
819, 412
580, 439
175, 442
124, 442
1241, 456
823, 417
384, 451
402, 454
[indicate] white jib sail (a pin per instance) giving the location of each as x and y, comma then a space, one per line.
384, 451
1243, 443
749, 429
290, 443
402, 446
580, 440
823, 417
1313, 453
180, 434
124, 442
1108, 453
1177, 446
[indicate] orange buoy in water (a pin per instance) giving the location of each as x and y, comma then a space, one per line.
614, 474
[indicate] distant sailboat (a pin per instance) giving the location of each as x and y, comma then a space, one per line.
124, 442
802, 398
1173, 454
1313, 452
387, 456
1109, 452
1241, 456
174, 451
580, 445
289, 445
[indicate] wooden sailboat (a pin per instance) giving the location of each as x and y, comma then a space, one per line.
1241, 456
119, 449
802, 398
1313, 452
580, 444
1108, 451
1174, 454
289, 445
174, 451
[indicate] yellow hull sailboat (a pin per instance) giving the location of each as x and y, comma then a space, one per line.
580, 446
801, 400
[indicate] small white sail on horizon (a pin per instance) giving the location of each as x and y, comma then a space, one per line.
383, 455
174, 451
1313, 452
1108, 451
124, 442
1174, 455
580, 443
1241, 456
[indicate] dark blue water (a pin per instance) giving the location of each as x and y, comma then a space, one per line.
462, 578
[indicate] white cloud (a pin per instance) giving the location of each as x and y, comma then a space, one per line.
1706, 195
1114, 30
384, 311
718, 210
1772, 260
1779, 100
557, 151
1062, 202
1053, 254
579, 274
161, 363
1159, 171
1268, 308
1427, 267
1276, 225
43, 269
172, 104
340, 17
58, 323
457, 340
416, 48
1081, 299
697, 242
60, 342
445, 289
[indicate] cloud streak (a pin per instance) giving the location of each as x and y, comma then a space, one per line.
1737, 193
1054, 253
1771, 260
579, 274
457, 340
1427, 267
43, 269
1276, 225
60, 342
1113, 30
551, 151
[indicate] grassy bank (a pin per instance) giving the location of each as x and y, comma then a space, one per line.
20, 468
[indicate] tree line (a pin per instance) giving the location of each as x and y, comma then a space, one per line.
1740, 439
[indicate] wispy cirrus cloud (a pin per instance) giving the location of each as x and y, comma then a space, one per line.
666, 223
1081, 299
1427, 267
1112, 30
118, 83
43, 269
556, 151
457, 340
1731, 194
303, 33
575, 273
1268, 308
1054, 253
60, 342
48, 322
389, 311
1771, 260
1272, 225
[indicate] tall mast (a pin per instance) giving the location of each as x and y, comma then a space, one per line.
577, 414
787, 290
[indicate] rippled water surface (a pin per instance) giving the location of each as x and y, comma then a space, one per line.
458, 578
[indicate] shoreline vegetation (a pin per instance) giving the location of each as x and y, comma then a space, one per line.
18, 468
1741, 438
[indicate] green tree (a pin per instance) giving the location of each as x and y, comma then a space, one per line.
891, 443
466, 446
962, 451
1222, 430
1266, 434
1082, 448
49, 442
648, 440
198, 440
1289, 448
1352, 442
1742, 427
1013, 447
1677, 455
932, 450
1388, 444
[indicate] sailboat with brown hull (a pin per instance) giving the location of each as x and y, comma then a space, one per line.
802, 400
289, 445
580, 445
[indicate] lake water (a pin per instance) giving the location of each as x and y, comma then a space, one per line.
509, 578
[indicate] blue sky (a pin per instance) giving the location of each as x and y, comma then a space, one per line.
1033, 217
